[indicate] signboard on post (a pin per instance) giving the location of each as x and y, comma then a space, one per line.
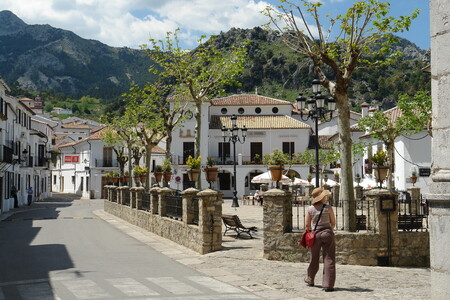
71, 159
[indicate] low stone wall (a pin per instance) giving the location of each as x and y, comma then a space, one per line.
174, 230
408, 249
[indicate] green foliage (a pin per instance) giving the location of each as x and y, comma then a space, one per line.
159, 168
210, 162
379, 158
167, 165
276, 158
194, 163
416, 112
139, 170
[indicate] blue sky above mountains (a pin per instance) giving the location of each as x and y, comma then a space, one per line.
132, 22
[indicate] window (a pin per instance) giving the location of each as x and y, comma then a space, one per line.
188, 149
258, 110
54, 179
288, 147
224, 151
107, 157
224, 181
275, 110
224, 111
256, 152
241, 110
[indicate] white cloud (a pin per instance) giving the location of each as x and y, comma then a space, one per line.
132, 22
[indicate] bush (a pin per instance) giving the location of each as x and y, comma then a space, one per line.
276, 158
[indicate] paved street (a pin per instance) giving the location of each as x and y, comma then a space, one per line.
153, 266
59, 249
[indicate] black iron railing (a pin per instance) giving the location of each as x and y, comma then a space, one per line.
195, 210
127, 198
146, 201
174, 207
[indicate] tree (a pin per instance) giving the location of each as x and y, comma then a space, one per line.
416, 111
362, 38
112, 139
199, 74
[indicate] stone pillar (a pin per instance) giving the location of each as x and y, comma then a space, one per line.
358, 192
154, 200
121, 194
133, 200
210, 220
113, 194
277, 219
138, 191
383, 219
439, 201
414, 206
308, 190
188, 207
162, 193
335, 193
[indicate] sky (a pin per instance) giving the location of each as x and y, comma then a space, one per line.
130, 23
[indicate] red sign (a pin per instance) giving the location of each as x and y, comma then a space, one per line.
71, 159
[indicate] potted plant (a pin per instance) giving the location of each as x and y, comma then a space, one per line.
109, 179
257, 159
379, 159
126, 177
158, 173
167, 169
210, 170
336, 177
194, 167
309, 177
325, 178
275, 161
413, 177
140, 174
115, 176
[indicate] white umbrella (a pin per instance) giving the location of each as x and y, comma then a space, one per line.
368, 182
329, 182
300, 181
267, 178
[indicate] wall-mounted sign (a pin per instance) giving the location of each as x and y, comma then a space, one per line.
425, 172
71, 159
387, 203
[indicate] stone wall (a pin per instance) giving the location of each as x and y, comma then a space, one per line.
204, 238
355, 248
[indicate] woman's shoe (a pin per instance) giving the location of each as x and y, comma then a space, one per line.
309, 282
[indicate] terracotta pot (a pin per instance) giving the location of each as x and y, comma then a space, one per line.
158, 176
115, 179
413, 179
211, 173
167, 176
276, 172
380, 173
143, 178
193, 174
137, 179
358, 179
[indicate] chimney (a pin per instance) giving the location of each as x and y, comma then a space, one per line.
364, 109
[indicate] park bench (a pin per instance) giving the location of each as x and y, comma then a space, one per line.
410, 222
232, 222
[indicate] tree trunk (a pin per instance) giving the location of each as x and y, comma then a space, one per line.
148, 162
390, 161
345, 147
198, 126
130, 165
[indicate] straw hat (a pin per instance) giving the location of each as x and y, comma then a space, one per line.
319, 194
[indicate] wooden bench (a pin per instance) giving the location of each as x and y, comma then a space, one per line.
232, 222
410, 222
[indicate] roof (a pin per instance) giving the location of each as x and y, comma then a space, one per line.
248, 99
259, 122
75, 126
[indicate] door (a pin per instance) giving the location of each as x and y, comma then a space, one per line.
256, 150
188, 149
224, 151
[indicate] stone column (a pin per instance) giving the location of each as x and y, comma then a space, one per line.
439, 201
383, 219
121, 194
308, 190
162, 193
154, 200
277, 219
335, 192
414, 206
138, 191
188, 207
113, 193
358, 192
133, 200
210, 220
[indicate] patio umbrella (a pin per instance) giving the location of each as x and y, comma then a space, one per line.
300, 181
267, 178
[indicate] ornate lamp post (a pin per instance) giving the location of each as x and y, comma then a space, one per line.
232, 134
316, 112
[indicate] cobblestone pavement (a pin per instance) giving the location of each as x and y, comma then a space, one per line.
240, 263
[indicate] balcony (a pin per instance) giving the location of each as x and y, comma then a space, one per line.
100, 163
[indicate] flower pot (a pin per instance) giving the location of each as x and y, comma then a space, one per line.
143, 178
413, 179
167, 176
211, 173
358, 179
158, 176
380, 173
276, 172
193, 174
137, 179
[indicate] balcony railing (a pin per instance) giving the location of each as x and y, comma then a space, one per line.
100, 163
6, 155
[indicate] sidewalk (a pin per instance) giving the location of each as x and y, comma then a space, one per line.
240, 263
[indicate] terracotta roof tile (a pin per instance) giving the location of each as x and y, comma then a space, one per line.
259, 122
247, 99
75, 126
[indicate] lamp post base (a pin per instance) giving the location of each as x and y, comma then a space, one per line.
235, 202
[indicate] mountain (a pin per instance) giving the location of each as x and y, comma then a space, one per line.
41, 57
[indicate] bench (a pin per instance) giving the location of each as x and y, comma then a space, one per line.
410, 222
232, 222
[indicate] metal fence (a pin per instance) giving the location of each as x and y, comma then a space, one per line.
127, 198
411, 216
146, 201
195, 210
174, 207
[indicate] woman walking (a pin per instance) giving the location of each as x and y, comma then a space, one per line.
322, 214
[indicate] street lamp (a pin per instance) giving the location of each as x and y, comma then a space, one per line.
316, 112
232, 134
